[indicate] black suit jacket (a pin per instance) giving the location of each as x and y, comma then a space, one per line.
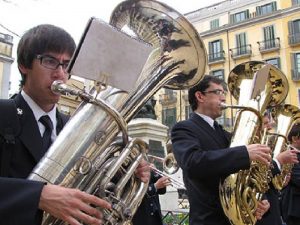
19, 198
290, 205
149, 211
205, 158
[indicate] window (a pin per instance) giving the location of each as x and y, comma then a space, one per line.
218, 73
169, 117
295, 59
215, 50
214, 24
274, 62
294, 31
266, 9
269, 37
295, 2
241, 43
240, 16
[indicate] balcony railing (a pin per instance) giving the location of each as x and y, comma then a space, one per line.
269, 45
240, 52
216, 57
294, 39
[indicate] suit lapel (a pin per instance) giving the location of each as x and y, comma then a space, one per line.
30, 134
207, 128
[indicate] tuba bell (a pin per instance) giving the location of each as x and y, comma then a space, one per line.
256, 85
285, 116
86, 154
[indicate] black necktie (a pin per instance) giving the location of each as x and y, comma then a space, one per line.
46, 121
218, 129
221, 133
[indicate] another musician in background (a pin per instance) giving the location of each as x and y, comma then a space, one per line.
273, 215
290, 205
149, 212
201, 148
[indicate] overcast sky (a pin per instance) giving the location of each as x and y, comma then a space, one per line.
72, 15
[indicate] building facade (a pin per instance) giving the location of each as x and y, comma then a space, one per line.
6, 45
237, 31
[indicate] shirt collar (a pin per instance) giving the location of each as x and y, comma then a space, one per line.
209, 120
37, 111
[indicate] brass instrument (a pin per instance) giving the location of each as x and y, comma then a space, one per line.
169, 167
256, 85
85, 155
285, 116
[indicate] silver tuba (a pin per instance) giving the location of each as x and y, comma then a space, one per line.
85, 155
256, 85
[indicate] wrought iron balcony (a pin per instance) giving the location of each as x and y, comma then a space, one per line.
294, 39
216, 57
269, 45
241, 52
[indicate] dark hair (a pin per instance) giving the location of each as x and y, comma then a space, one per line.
295, 131
202, 86
41, 39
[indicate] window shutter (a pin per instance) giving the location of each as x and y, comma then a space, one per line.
221, 49
247, 14
293, 69
232, 18
279, 63
274, 6
291, 27
258, 10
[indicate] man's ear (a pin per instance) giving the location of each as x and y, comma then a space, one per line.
22, 69
199, 96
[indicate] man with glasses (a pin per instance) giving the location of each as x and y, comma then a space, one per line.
43, 53
201, 148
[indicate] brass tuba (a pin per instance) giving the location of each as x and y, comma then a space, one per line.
285, 116
85, 155
256, 85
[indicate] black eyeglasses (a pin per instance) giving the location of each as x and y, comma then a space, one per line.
52, 63
216, 92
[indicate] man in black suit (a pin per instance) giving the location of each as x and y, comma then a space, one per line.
43, 53
201, 150
149, 211
291, 193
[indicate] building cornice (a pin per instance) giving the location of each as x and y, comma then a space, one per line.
251, 21
217, 9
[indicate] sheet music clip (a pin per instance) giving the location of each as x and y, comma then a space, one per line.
109, 56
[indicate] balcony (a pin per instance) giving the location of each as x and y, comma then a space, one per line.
241, 52
269, 45
294, 39
216, 57
167, 99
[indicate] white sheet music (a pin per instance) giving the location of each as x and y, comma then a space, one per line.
107, 54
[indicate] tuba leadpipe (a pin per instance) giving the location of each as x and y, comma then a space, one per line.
85, 154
